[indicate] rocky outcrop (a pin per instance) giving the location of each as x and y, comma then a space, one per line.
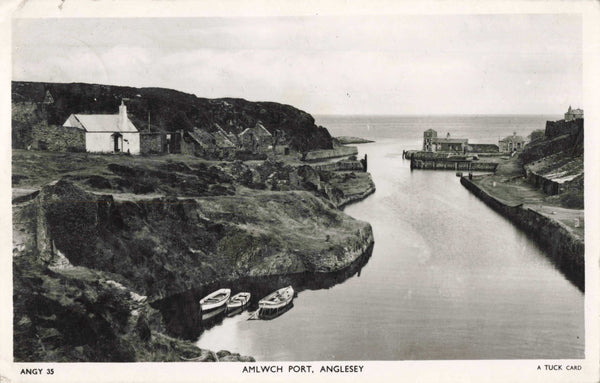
554, 163
65, 313
168, 245
116, 230
345, 140
169, 110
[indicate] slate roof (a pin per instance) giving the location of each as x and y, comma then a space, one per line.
99, 123
202, 138
261, 130
222, 140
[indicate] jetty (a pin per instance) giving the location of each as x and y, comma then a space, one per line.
443, 161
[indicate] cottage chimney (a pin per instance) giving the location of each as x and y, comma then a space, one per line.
122, 116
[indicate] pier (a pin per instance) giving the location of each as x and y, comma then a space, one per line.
434, 161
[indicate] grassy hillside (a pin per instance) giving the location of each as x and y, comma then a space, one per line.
166, 109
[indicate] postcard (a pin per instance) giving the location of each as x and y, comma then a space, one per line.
321, 191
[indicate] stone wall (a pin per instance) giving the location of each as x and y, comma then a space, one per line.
548, 186
543, 148
341, 151
343, 165
564, 249
58, 138
152, 143
449, 164
562, 127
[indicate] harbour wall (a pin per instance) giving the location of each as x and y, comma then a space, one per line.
449, 164
343, 165
340, 151
564, 249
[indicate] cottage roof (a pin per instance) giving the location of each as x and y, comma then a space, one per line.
204, 139
99, 123
261, 130
246, 131
222, 140
512, 138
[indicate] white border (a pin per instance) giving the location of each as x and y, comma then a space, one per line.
424, 371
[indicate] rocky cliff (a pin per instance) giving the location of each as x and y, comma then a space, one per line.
158, 109
113, 235
554, 162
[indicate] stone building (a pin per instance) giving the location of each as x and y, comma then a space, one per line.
223, 142
198, 142
256, 139
57, 138
433, 143
153, 143
573, 114
511, 143
107, 133
428, 136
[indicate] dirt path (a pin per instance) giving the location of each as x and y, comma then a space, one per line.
514, 191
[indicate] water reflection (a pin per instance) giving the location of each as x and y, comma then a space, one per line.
184, 317
260, 287
208, 316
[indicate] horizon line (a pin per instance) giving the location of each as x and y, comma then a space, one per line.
433, 114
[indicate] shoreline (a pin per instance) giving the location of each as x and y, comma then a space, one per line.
563, 248
218, 222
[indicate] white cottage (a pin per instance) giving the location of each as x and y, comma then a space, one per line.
107, 133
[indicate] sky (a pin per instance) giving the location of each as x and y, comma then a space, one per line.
400, 64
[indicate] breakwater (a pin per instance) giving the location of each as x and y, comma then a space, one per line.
452, 164
343, 165
340, 151
564, 249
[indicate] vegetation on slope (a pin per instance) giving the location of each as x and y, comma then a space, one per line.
159, 109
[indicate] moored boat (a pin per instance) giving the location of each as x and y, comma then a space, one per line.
277, 300
238, 300
215, 299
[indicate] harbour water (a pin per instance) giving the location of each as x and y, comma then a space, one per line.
448, 277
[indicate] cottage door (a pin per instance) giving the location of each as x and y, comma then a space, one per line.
118, 139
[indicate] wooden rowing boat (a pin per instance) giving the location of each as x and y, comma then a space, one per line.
277, 300
238, 300
215, 299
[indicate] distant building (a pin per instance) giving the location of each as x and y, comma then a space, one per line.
432, 143
222, 139
48, 99
107, 133
573, 114
198, 142
428, 135
256, 139
511, 143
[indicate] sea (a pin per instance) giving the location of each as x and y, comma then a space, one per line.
448, 278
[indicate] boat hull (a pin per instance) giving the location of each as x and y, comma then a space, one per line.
238, 301
277, 300
215, 300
